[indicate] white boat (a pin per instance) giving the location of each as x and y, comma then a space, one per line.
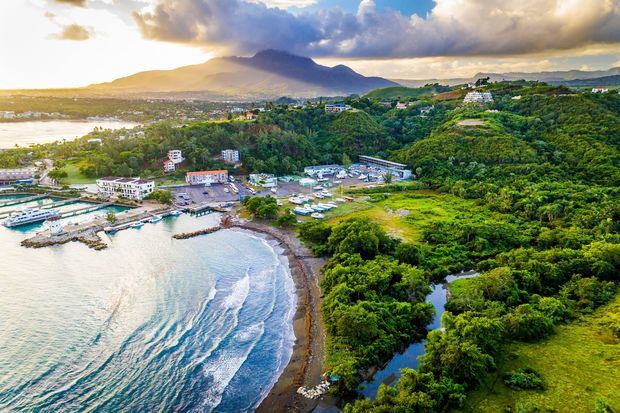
319, 195
176, 213
274, 190
301, 211
137, 224
29, 216
155, 218
295, 200
316, 215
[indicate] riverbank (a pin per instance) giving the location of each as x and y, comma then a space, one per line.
306, 365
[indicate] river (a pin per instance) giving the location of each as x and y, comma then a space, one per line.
149, 324
38, 132
409, 358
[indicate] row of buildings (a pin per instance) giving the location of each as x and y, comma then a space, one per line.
18, 176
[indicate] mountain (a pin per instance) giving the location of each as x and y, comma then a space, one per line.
268, 74
595, 81
557, 77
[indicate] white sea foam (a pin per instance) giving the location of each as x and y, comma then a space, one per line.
221, 369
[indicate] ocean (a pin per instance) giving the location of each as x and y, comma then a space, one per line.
39, 131
149, 324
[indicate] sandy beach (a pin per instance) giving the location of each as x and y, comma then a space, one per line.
307, 361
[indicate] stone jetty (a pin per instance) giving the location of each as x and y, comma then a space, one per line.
205, 231
87, 236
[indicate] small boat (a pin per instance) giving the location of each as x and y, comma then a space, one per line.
175, 213
155, 218
274, 190
317, 215
137, 224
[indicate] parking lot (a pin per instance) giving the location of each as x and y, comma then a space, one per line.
198, 194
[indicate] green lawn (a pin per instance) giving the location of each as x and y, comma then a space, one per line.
404, 215
75, 176
579, 364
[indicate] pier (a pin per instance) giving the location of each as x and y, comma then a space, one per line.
207, 207
46, 206
18, 201
85, 210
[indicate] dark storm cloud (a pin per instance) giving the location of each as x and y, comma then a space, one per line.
454, 27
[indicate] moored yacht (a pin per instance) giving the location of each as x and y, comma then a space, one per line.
29, 216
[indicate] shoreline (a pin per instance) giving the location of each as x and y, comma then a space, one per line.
305, 367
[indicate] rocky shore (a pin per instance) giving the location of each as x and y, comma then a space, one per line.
88, 237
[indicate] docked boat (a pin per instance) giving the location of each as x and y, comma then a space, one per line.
317, 215
176, 213
29, 216
155, 218
137, 224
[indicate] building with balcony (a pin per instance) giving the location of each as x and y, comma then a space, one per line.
130, 188
207, 177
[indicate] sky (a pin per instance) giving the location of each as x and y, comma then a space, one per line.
72, 43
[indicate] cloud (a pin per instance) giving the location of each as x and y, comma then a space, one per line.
452, 28
79, 3
73, 32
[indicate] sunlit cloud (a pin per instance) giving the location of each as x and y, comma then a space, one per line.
79, 3
73, 32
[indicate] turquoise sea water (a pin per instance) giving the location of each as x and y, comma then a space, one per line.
150, 324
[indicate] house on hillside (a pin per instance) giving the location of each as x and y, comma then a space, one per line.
230, 156
600, 89
169, 166
478, 97
336, 107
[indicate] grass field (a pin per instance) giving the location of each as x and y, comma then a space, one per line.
404, 215
75, 176
580, 364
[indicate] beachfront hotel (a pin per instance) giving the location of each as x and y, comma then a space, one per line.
207, 177
131, 188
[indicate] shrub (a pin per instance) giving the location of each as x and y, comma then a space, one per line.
524, 379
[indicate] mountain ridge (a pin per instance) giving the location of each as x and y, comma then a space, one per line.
269, 73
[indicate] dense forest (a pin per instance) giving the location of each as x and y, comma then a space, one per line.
547, 165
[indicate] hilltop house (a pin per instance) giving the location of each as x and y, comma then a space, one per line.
478, 97
336, 107
600, 89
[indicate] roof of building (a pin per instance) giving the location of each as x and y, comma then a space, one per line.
219, 171
371, 159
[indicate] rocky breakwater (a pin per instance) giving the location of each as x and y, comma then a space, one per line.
186, 235
87, 236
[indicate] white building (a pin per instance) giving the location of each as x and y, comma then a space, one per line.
230, 156
169, 166
16, 176
176, 156
600, 89
131, 188
207, 177
478, 97
396, 169
401, 106
336, 107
